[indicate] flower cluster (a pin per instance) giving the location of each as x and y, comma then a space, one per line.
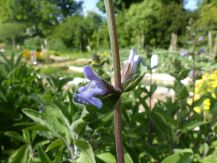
206, 85
97, 88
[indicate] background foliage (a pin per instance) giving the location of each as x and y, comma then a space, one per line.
40, 122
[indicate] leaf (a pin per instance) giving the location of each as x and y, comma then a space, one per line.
26, 136
78, 125
132, 82
109, 102
53, 119
36, 128
151, 150
20, 155
43, 142
152, 89
107, 157
3, 97
34, 115
86, 152
127, 158
159, 122
191, 125
210, 158
183, 74
43, 156
57, 122
181, 90
14, 135
181, 156
56, 143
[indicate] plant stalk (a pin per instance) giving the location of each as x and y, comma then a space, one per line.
117, 78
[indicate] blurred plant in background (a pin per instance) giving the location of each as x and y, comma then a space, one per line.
40, 122
206, 87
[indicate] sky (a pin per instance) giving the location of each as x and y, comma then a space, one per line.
90, 5
191, 4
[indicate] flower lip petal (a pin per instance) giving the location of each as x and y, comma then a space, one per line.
89, 73
95, 102
90, 100
81, 89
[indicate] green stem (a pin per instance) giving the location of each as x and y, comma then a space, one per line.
117, 78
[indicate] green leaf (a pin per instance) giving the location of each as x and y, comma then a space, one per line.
159, 122
152, 89
43, 156
43, 142
183, 74
107, 157
26, 136
181, 90
86, 154
57, 122
14, 135
181, 156
78, 125
132, 82
110, 101
35, 116
192, 124
210, 158
53, 119
56, 143
20, 155
3, 97
127, 158
36, 128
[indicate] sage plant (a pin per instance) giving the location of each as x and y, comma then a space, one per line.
124, 80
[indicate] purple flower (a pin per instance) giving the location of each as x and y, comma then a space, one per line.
131, 66
202, 50
97, 89
183, 52
89, 94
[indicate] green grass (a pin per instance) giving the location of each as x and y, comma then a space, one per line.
59, 72
73, 54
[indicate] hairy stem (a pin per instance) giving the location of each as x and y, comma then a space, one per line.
117, 78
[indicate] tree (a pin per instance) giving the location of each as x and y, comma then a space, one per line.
41, 16
118, 4
11, 31
77, 31
207, 19
151, 22
121, 5
141, 19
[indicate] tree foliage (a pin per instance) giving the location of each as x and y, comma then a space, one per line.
151, 22
41, 15
76, 31
139, 22
119, 5
207, 19
9, 31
